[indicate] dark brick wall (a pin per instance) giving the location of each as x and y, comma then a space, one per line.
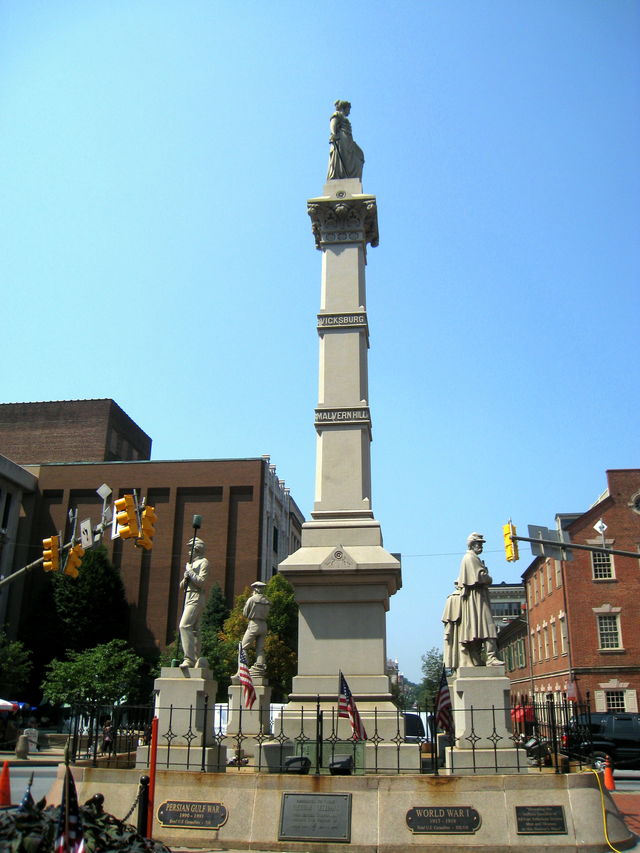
226, 493
70, 431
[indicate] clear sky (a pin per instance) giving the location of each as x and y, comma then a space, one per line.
155, 247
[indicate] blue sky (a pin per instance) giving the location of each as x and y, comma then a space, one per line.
157, 158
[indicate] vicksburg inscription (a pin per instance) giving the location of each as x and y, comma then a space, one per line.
192, 815
327, 320
315, 817
443, 820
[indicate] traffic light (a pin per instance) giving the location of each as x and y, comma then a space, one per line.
127, 517
51, 554
149, 519
510, 545
74, 558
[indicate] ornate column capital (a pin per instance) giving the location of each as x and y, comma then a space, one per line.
352, 219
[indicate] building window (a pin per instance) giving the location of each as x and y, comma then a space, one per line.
275, 539
615, 700
609, 631
545, 632
539, 644
558, 573
541, 577
602, 566
563, 635
554, 640
549, 577
533, 647
534, 581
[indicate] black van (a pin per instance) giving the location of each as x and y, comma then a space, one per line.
593, 736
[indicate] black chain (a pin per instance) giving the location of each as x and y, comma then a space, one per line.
135, 803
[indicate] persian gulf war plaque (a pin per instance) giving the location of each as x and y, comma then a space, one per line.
192, 815
443, 820
540, 820
315, 817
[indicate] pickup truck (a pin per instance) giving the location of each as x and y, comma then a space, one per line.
594, 736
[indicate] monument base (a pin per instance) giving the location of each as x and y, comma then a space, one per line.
184, 706
560, 813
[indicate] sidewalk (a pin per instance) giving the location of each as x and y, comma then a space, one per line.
628, 803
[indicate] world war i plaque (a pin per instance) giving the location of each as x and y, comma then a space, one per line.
541, 820
315, 817
192, 815
443, 820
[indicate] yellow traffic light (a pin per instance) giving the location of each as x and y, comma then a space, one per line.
51, 554
127, 517
510, 544
74, 558
149, 519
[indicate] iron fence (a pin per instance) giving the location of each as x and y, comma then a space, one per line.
526, 736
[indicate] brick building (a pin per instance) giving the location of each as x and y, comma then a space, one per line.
581, 630
250, 522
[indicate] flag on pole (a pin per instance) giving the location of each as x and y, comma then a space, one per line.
69, 838
444, 712
347, 708
248, 690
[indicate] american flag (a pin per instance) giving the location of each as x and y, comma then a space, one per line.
248, 690
69, 837
444, 713
347, 708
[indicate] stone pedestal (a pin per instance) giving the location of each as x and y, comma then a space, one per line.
250, 722
480, 698
183, 731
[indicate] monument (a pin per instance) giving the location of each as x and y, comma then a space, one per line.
342, 575
186, 695
480, 689
256, 720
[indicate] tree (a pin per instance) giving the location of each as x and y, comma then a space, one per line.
92, 608
15, 667
99, 676
432, 670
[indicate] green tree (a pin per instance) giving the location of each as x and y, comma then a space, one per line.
102, 675
92, 608
15, 667
432, 670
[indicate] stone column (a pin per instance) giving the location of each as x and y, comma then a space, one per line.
342, 575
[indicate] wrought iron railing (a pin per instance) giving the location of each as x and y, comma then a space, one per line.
527, 735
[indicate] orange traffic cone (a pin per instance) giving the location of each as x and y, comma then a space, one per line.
5, 785
609, 782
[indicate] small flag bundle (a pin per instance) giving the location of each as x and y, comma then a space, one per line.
444, 712
248, 690
347, 708
69, 838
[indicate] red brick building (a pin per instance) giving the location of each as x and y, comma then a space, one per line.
250, 522
581, 631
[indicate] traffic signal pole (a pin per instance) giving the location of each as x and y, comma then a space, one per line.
568, 546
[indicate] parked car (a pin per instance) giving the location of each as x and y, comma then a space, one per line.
592, 737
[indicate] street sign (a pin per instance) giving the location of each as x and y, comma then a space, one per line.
86, 533
600, 527
544, 549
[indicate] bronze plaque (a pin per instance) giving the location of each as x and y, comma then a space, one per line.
192, 815
541, 820
443, 820
315, 817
